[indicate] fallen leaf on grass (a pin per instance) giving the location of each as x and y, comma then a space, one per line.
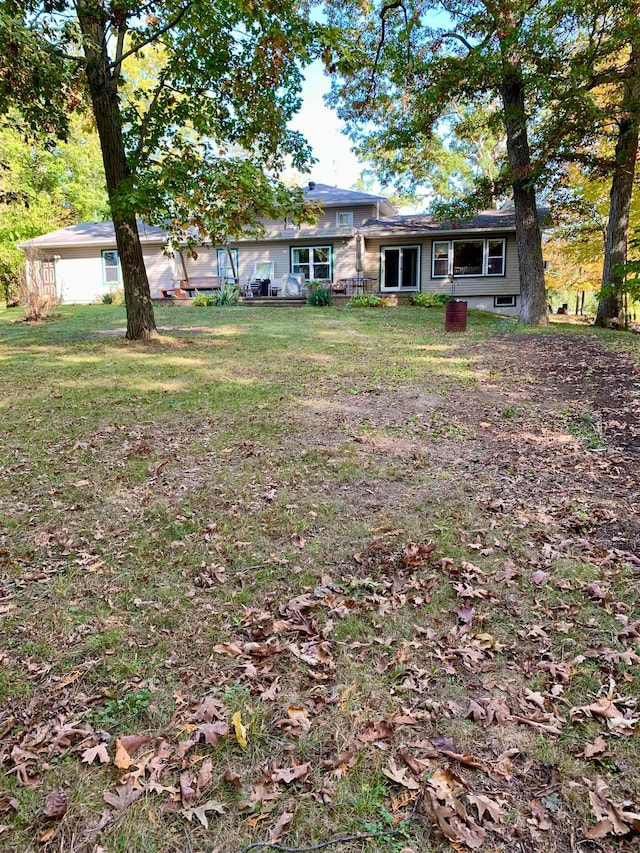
486, 805
291, 774
595, 749
298, 541
612, 818
539, 577
443, 791
539, 816
280, 827
240, 729
122, 759
212, 732
465, 614
608, 711
299, 717
7, 803
99, 751
399, 776
55, 806
201, 812
132, 743
124, 796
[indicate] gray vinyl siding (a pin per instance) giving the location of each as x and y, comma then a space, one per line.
504, 285
344, 258
498, 285
328, 218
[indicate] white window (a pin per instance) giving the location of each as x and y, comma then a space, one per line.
504, 302
228, 273
344, 219
110, 267
462, 258
400, 267
495, 257
440, 259
314, 262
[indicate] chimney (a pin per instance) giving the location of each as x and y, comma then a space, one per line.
312, 185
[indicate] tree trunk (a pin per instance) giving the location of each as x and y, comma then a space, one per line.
533, 301
103, 88
615, 252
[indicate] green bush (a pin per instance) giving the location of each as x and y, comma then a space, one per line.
227, 295
202, 300
366, 300
319, 296
429, 300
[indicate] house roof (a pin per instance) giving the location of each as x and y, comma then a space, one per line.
424, 223
91, 234
329, 196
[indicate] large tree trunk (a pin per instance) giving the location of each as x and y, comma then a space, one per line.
615, 252
103, 88
533, 301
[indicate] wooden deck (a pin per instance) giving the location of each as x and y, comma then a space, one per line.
255, 301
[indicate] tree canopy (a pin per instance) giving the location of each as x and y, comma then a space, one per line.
43, 188
183, 81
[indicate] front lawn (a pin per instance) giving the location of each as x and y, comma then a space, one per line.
294, 575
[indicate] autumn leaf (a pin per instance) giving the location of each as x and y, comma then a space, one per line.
399, 776
122, 758
240, 729
200, 812
93, 752
299, 717
539, 577
596, 748
280, 827
132, 743
124, 796
212, 732
291, 774
298, 541
55, 805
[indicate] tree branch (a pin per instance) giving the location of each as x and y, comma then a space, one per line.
117, 67
144, 123
172, 23
388, 7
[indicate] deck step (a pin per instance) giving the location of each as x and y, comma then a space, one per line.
273, 301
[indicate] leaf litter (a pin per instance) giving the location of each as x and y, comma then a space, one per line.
281, 656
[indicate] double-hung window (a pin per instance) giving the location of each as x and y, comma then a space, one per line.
468, 257
314, 262
110, 267
344, 219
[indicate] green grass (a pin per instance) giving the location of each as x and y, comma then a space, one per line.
162, 499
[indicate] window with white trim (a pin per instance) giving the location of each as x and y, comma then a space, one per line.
344, 219
110, 267
314, 262
473, 257
504, 302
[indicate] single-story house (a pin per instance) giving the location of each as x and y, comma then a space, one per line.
357, 236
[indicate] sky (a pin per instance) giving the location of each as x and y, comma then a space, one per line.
321, 127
